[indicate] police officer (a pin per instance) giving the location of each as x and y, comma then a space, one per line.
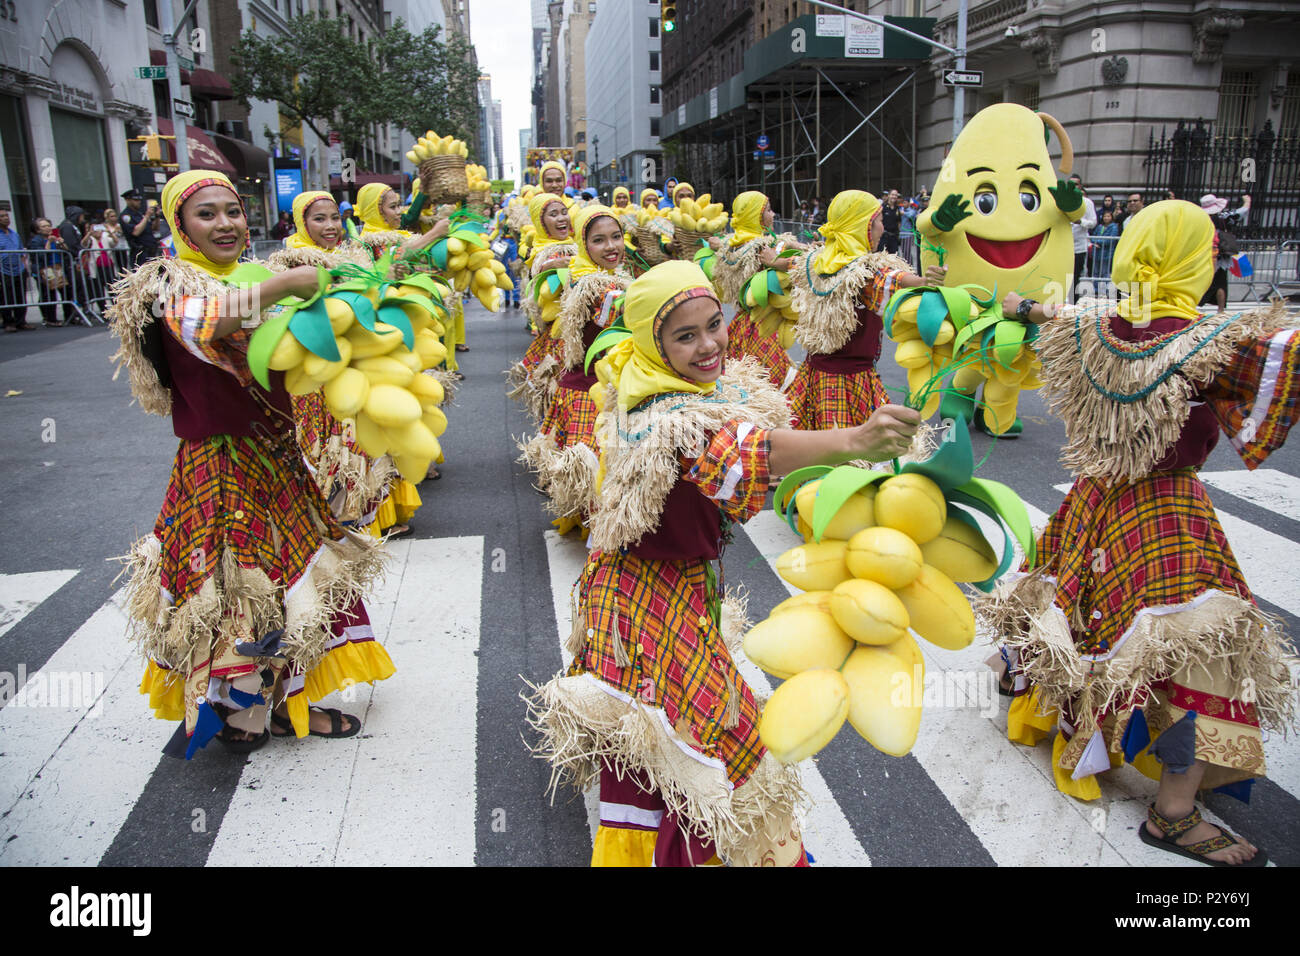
137, 226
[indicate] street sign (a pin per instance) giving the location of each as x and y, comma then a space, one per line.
183, 108
185, 62
758, 154
151, 72
769, 153
763, 141
769, 167
964, 78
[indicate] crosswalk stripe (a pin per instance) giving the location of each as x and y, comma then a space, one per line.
402, 792
1271, 490
20, 594
93, 758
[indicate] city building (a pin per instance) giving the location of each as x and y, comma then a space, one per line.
623, 94
551, 123
456, 16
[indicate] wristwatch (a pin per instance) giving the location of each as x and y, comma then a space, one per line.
1024, 308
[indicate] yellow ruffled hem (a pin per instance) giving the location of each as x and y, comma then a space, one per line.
1085, 788
620, 846
166, 692
345, 666
1025, 725
398, 508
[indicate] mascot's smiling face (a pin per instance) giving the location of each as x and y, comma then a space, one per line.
1016, 239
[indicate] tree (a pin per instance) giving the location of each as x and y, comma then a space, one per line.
314, 72
424, 83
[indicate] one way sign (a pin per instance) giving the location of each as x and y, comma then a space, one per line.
964, 78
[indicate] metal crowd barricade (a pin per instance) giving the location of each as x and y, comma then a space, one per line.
96, 271
1275, 269
52, 280
1095, 281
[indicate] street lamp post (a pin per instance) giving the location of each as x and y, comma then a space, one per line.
607, 126
595, 162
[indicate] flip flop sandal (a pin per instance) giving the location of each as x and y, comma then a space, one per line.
336, 723
243, 746
401, 534
1173, 829
281, 723
462, 348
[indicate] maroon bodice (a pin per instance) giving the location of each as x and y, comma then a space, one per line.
860, 352
690, 527
208, 401
1201, 431
575, 378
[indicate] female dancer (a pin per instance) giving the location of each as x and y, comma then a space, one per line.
563, 453
749, 249
839, 292
653, 705
1137, 628
532, 378
246, 594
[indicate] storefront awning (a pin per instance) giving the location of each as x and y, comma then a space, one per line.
202, 151
249, 161
209, 84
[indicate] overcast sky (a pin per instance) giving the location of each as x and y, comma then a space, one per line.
503, 36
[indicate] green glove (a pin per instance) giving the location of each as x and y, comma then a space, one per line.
1067, 194
411, 218
952, 211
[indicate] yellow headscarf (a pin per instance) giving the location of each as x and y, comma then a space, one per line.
636, 365
528, 192
180, 188
678, 188
1164, 259
650, 193
300, 239
747, 218
847, 230
620, 190
552, 164
583, 264
536, 206
368, 207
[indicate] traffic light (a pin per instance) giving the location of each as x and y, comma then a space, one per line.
151, 150
668, 14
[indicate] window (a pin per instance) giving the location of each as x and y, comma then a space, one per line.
654, 61
654, 94
654, 28
591, 8
1291, 105
1238, 91
654, 126
151, 13
580, 136
580, 155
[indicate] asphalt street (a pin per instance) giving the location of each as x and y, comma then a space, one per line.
474, 605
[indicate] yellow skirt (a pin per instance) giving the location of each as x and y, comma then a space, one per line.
398, 508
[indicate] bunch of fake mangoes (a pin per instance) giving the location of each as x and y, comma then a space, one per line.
431, 144
466, 258
937, 329
376, 381
766, 296
883, 571
699, 215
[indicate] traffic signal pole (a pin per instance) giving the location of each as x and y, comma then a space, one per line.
174, 77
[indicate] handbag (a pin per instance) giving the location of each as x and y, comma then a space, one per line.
53, 277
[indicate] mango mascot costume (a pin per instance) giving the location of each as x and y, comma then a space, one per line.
1000, 218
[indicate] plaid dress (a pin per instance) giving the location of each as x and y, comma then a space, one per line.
1116, 552
662, 611
744, 338
571, 419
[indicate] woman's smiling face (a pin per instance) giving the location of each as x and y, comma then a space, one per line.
605, 242
693, 339
390, 207
324, 224
214, 221
556, 220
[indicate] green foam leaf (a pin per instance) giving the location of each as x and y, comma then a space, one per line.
930, 315
836, 488
310, 325
263, 342
395, 317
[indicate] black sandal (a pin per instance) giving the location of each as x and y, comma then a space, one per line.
1173, 829
336, 724
242, 746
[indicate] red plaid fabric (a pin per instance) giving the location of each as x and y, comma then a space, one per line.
231, 494
543, 346
193, 320
660, 611
571, 419
744, 338
313, 422
1257, 396
878, 289
1116, 549
821, 399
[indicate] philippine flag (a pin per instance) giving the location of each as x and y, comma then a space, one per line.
1241, 266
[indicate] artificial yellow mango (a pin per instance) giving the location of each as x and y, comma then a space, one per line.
366, 344
817, 599
391, 406
815, 566
384, 370
370, 436
345, 394
340, 314
298, 382
414, 439
886, 686
412, 469
797, 640
408, 358
912, 504
287, 353
938, 609
857, 512
884, 555
434, 419
868, 612
913, 353
322, 369
804, 714
427, 389
960, 551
